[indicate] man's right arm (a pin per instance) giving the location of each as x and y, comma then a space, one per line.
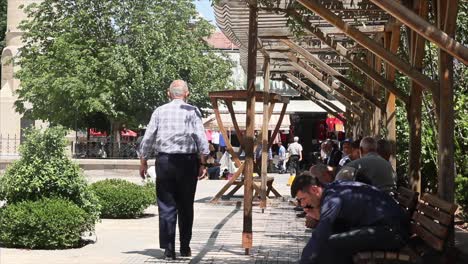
147, 143
329, 211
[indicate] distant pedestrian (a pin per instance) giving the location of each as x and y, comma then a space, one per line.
281, 158
295, 156
176, 132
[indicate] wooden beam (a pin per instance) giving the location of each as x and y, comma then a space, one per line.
234, 122
392, 41
342, 51
266, 119
313, 75
331, 86
430, 32
278, 125
446, 177
247, 235
332, 72
364, 40
315, 97
214, 103
324, 87
417, 50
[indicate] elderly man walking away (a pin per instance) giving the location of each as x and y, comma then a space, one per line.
353, 217
295, 156
177, 135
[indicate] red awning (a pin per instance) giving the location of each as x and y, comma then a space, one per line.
93, 132
128, 133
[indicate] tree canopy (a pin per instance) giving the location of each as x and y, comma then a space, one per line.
86, 60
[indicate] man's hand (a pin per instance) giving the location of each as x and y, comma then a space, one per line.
201, 172
143, 168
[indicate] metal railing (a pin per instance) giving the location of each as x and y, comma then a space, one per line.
101, 148
9, 145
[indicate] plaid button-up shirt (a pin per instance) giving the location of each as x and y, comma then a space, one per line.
175, 128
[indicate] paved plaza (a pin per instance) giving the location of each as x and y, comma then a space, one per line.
277, 234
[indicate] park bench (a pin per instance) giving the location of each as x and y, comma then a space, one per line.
407, 199
431, 224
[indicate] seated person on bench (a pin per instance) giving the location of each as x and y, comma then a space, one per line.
353, 217
213, 168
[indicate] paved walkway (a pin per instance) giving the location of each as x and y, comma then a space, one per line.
277, 234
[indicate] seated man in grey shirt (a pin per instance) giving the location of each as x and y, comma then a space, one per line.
372, 168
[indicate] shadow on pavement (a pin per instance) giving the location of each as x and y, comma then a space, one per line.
152, 252
211, 241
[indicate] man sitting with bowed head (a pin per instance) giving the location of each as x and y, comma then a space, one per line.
353, 217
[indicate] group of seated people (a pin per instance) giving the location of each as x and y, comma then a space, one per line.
350, 205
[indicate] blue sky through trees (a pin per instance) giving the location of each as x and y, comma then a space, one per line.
206, 10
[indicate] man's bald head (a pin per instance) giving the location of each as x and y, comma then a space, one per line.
178, 90
323, 173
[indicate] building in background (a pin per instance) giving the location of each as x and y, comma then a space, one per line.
11, 122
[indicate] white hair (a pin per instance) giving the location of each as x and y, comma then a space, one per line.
296, 139
178, 88
368, 144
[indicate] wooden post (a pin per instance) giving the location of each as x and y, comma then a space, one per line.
417, 44
447, 14
392, 41
250, 124
265, 124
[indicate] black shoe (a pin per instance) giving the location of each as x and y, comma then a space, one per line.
301, 215
169, 254
185, 252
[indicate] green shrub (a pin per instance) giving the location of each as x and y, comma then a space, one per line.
44, 170
47, 224
123, 199
461, 194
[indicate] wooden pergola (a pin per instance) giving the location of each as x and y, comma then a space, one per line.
269, 101
350, 35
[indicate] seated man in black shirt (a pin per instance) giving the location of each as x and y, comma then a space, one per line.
353, 217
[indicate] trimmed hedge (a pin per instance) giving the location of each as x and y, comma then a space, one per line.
45, 171
123, 199
49, 223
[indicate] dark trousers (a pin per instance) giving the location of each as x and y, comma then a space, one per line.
213, 172
176, 181
341, 247
294, 164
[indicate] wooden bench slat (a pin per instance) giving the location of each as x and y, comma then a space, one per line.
433, 241
430, 226
405, 192
437, 229
435, 214
407, 199
439, 203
